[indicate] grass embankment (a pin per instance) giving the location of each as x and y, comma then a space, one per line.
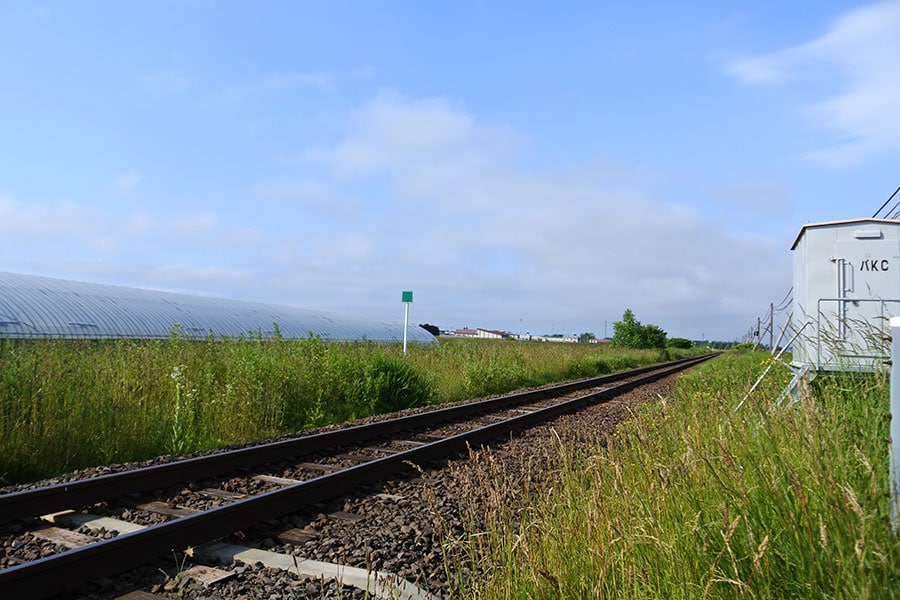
692, 499
67, 404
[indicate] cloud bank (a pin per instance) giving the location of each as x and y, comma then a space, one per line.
431, 197
862, 48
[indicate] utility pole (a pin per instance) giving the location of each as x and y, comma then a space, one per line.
771, 327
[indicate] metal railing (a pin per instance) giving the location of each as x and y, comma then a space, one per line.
859, 335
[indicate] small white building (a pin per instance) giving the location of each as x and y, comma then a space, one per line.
492, 334
481, 333
846, 288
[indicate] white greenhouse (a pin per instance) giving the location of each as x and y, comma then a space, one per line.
41, 307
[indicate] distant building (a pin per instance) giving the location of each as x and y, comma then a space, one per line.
568, 339
492, 334
465, 332
481, 333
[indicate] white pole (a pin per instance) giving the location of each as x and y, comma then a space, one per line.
895, 423
405, 324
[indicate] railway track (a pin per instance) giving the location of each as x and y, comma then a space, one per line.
288, 475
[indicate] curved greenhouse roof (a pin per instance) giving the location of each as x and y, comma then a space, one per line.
41, 307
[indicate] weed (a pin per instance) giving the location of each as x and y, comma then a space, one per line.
693, 500
67, 404
392, 385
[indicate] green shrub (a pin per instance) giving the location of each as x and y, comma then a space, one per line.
682, 343
391, 385
623, 362
589, 366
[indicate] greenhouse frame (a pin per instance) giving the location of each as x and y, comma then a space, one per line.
43, 307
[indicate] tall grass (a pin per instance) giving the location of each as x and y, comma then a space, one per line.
692, 499
66, 404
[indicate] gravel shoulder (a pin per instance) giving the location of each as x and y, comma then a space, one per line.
402, 526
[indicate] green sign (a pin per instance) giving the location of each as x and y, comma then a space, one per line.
407, 296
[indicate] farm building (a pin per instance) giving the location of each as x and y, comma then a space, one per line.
41, 307
846, 288
481, 333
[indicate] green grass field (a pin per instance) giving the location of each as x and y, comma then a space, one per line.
67, 404
694, 499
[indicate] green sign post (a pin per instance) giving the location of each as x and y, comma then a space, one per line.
407, 300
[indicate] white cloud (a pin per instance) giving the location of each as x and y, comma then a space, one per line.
491, 238
863, 49
419, 194
191, 225
70, 232
193, 279
164, 83
353, 247
103, 244
763, 198
430, 137
126, 183
307, 192
137, 223
41, 221
278, 82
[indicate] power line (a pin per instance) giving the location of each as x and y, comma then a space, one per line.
886, 202
786, 301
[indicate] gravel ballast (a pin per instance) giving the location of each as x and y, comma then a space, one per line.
401, 526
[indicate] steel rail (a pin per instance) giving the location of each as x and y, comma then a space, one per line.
84, 492
52, 575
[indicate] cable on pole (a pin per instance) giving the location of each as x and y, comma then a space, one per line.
886, 203
786, 301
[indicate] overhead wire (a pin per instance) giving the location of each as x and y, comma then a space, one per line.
893, 212
767, 323
786, 302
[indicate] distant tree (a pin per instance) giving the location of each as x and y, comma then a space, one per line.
432, 329
629, 333
653, 337
586, 337
717, 344
679, 343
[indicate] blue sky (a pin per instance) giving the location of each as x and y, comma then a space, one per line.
518, 165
